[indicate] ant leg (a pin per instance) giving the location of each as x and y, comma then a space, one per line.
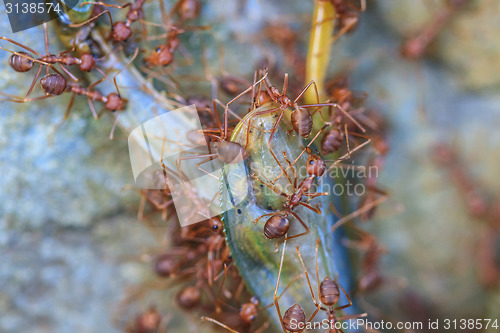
255, 115
128, 4
339, 108
303, 151
358, 212
301, 234
95, 18
92, 108
276, 303
270, 185
121, 70
219, 323
205, 171
295, 179
344, 29
270, 214
315, 209
229, 110
65, 70
347, 141
35, 79
349, 299
346, 156
217, 120
317, 267
20, 45
70, 50
285, 85
305, 89
112, 133
307, 277
269, 145
314, 195
17, 99
352, 316
46, 38
68, 109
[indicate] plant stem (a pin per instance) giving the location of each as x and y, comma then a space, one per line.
318, 56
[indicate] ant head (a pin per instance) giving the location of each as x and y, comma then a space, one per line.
121, 32
161, 56
114, 102
20, 62
275, 92
215, 224
88, 62
315, 165
248, 311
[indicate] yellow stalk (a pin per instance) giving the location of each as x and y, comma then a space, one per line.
323, 24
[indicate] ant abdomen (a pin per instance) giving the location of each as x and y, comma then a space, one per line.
329, 291
19, 63
332, 141
231, 152
294, 318
276, 226
53, 84
302, 122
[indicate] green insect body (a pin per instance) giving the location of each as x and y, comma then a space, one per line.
255, 255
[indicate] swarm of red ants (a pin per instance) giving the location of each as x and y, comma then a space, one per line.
197, 257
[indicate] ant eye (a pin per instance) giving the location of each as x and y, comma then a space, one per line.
215, 227
158, 50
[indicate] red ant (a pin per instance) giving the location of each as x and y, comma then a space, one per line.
246, 317
294, 319
163, 55
148, 321
416, 46
120, 31
226, 151
347, 14
23, 62
278, 224
328, 295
